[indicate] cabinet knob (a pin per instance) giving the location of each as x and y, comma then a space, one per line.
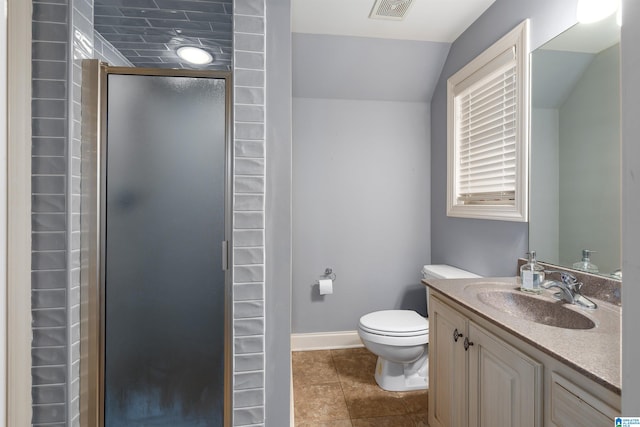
456, 335
467, 344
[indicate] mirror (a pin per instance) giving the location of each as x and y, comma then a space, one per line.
575, 147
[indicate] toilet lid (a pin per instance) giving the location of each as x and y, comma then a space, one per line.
395, 322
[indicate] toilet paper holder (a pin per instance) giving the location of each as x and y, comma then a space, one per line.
328, 274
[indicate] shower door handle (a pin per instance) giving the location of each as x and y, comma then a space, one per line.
225, 255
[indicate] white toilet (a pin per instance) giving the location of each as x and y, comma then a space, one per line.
399, 338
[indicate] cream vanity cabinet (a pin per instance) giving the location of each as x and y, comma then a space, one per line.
482, 376
477, 379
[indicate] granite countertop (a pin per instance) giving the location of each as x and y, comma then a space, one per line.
593, 352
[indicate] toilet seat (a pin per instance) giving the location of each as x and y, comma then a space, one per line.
394, 327
395, 323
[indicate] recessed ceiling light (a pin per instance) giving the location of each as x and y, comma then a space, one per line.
596, 10
194, 55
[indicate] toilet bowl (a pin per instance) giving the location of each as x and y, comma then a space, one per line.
400, 339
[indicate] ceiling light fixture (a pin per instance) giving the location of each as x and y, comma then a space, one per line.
194, 55
596, 10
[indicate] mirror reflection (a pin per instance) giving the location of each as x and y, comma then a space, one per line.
575, 149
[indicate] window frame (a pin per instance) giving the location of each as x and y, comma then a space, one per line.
517, 39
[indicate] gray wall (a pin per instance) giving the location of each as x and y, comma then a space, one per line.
544, 189
630, 207
278, 215
344, 67
360, 206
488, 248
590, 159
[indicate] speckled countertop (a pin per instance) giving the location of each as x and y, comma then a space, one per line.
593, 352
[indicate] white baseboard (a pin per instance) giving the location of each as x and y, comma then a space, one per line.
325, 341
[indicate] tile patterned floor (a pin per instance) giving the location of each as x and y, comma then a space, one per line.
336, 388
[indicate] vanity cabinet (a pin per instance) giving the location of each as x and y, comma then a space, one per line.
482, 375
476, 378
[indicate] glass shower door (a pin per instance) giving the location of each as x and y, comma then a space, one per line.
164, 220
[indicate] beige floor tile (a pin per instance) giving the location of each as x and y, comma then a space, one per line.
352, 352
357, 369
417, 402
369, 400
331, 387
320, 402
398, 421
334, 423
313, 367
420, 420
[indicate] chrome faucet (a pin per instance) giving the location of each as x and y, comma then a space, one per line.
569, 289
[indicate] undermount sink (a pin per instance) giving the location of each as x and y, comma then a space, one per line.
523, 306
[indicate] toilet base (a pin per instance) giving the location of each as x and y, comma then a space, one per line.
393, 376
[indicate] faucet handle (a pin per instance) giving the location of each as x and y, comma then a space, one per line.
566, 277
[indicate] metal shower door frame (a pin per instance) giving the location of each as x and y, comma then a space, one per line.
93, 200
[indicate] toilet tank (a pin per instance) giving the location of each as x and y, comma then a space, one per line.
442, 271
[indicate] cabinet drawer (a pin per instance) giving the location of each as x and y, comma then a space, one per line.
573, 406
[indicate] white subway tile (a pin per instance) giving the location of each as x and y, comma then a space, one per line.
248, 291
245, 380
248, 256
249, 148
249, 362
244, 238
248, 398
250, 78
249, 60
249, 113
244, 345
244, 309
244, 327
249, 131
249, 184
249, 42
249, 95
246, 166
248, 273
248, 7
249, 24
248, 202
248, 220
248, 416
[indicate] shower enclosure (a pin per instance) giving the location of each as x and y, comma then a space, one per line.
156, 226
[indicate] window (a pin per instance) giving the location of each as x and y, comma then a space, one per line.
488, 137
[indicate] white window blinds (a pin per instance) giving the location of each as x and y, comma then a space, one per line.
486, 136
487, 132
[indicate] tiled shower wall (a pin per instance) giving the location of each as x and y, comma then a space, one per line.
62, 36
50, 208
61, 31
248, 213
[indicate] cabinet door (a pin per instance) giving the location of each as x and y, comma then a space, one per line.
572, 405
505, 385
447, 367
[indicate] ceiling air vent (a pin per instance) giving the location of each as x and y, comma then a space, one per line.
390, 9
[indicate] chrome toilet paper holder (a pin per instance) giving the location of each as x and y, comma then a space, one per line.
328, 274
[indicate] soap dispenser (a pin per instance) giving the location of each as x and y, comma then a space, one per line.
531, 275
586, 264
